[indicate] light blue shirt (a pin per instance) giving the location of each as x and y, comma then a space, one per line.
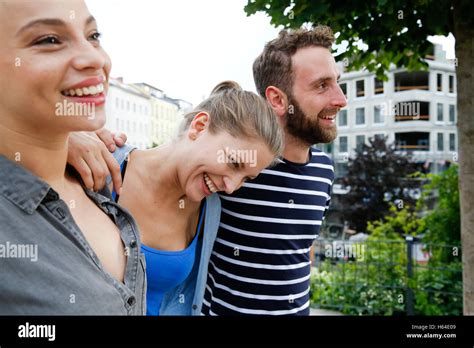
186, 298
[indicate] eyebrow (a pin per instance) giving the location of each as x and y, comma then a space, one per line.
51, 22
320, 80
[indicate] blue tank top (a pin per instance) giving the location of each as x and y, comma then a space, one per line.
167, 269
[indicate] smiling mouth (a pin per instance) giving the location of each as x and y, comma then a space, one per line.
91, 91
209, 184
328, 117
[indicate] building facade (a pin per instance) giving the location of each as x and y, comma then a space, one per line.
415, 110
143, 112
128, 110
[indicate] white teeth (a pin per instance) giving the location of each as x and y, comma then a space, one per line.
209, 184
91, 90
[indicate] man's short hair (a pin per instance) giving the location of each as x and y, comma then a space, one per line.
273, 66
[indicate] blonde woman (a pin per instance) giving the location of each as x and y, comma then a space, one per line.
171, 190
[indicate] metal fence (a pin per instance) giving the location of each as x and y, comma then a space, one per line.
387, 277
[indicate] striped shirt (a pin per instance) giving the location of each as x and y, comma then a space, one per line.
260, 262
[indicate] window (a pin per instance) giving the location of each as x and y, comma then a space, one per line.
452, 142
122, 105
378, 86
128, 126
379, 136
344, 88
440, 142
128, 105
117, 125
116, 103
452, 114
134, 107
439, 118
360, 89
341, 169
343, 145
378, 115
360, 116
360, 141
439, 82
451, 84
342, 118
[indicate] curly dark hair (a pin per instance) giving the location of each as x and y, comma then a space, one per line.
273, 66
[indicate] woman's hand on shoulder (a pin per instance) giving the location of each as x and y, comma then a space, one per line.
90, 154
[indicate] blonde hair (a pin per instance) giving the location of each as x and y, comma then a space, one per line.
239, 113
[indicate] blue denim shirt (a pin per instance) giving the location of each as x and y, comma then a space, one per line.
186, 298
47, 266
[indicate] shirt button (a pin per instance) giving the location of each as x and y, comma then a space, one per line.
133, 243
131, 300
195, 307
61, 212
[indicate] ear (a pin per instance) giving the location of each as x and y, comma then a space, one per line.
277, 99
199, 124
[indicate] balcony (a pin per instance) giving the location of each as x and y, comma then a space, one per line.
413, 141
411, 111
415, 80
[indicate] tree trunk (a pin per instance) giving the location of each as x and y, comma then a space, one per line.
464, 34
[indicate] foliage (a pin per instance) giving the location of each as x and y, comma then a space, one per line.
393, 31
444, 221
376, 284
377, 171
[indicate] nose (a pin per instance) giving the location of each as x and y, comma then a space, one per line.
338, 98
86, 56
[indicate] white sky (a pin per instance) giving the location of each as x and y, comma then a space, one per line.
186, 47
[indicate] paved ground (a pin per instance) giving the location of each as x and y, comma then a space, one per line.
318, 311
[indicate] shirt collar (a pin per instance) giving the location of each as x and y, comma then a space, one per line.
23, 188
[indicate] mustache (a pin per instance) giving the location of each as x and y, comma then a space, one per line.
328, 111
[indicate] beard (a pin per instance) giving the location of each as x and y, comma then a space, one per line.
307, 128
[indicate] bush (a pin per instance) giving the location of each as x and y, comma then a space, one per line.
377, 283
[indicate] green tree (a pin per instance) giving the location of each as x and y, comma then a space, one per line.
444, 220
377, 177
396, 32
